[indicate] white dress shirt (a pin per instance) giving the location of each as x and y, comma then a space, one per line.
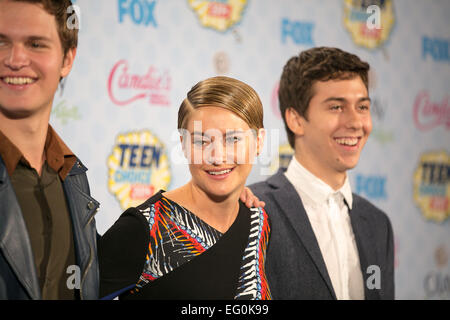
330, 221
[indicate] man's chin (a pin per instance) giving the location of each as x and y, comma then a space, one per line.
15, 113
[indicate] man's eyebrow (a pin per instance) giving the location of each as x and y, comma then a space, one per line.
29, 38
38, 38
340, 99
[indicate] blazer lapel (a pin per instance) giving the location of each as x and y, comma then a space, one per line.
14, 241
289, 201
365, 243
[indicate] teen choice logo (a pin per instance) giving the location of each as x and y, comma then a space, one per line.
220, 14
370, 22
432, 185
138, 167
285, 154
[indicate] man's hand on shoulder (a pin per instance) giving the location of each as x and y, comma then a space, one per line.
250, 199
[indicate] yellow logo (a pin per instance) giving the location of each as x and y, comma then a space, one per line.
285, 154
432, 185
219, 15
369, 22
138, 167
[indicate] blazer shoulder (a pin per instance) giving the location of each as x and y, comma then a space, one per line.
260, 187
276, 181
369, 210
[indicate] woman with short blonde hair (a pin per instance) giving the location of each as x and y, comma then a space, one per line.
198, 241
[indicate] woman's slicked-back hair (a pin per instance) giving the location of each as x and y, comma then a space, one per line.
228, 93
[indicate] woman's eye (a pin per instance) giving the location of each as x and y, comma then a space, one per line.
233, 139
200, 142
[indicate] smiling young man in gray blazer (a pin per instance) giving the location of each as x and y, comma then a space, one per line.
326, 242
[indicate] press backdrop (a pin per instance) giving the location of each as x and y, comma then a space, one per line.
137, 59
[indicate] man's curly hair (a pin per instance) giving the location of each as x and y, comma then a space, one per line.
316, 64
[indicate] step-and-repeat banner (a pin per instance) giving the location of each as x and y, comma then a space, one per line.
137, 59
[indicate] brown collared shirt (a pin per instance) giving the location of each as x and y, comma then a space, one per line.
45, 211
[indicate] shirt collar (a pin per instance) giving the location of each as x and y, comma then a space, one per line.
315, 190
58, 156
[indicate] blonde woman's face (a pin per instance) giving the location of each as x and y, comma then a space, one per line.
220, 148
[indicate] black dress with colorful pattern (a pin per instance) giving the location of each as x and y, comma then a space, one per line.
160, 250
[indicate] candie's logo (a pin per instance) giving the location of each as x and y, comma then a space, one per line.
370, 25
138, 167
125, 87
274, 102
432, 185
428, 114
220, 14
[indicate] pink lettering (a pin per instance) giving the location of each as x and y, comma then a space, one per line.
370, 33
219, 10
140, 191
428, 115
274, 100
151, 83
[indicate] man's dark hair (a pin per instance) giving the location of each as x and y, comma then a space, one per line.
58, 9
316, 64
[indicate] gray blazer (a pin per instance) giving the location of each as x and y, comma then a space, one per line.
294, 264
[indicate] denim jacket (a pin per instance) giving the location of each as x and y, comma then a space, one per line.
18, 276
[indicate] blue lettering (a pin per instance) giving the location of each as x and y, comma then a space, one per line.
361, 16
145, 156
435, 173
299, 32
123, 148
150, 15
132, 176
437, 49
156, 155
372, 186
139, 11
137, 14
133, 155
122, 10
432, 190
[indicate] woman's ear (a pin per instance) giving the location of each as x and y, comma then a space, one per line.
294, 121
